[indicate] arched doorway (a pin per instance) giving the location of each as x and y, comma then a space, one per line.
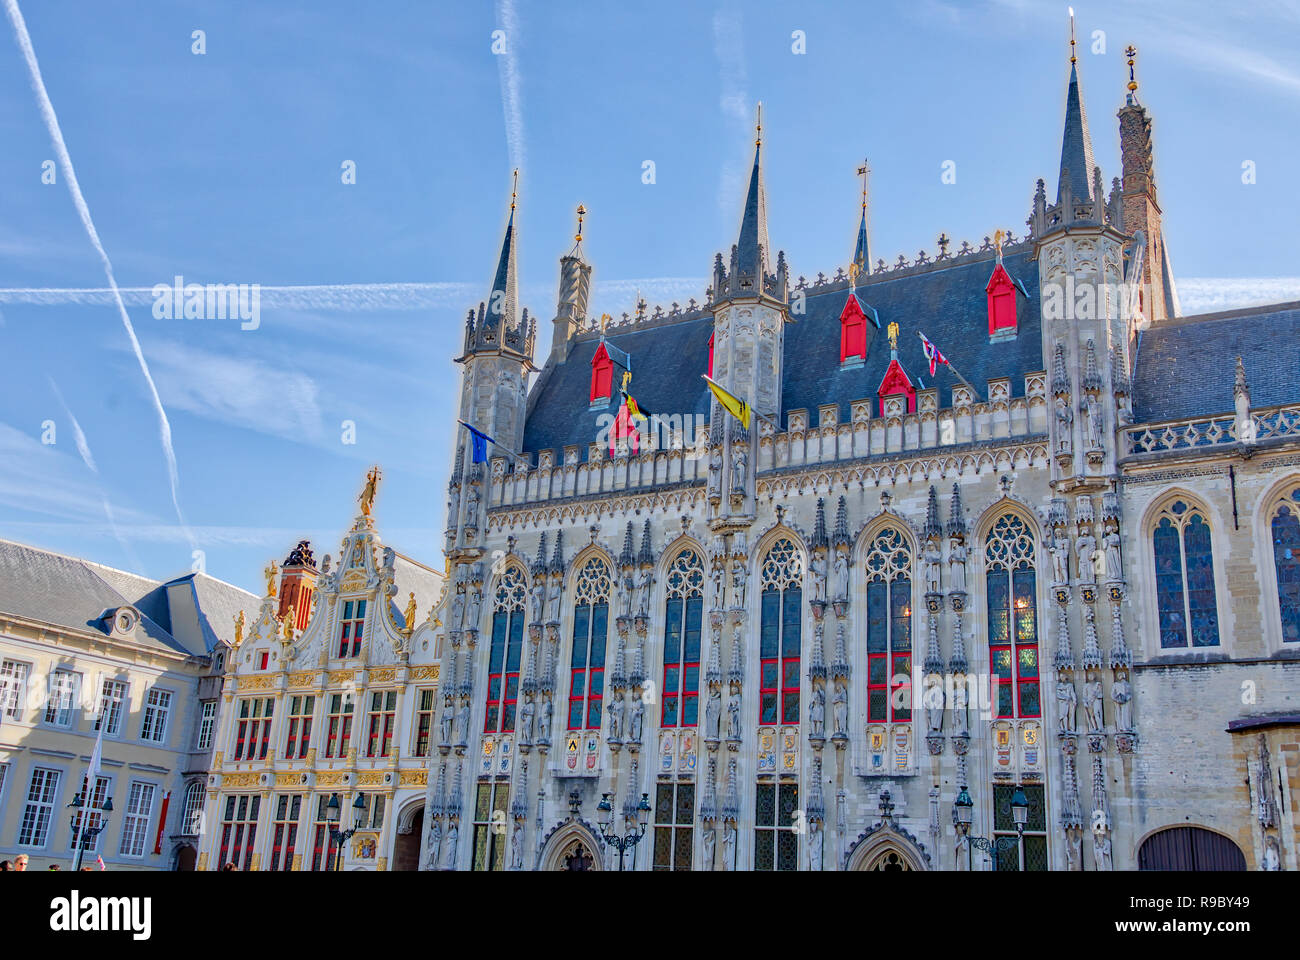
572, 846
185, 857
886, 847
1189, 848
410, 828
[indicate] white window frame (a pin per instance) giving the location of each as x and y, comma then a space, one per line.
52, 784
135, 824
189, 809
14, 676
91, 812
66, 706
156, 715
207, 725
121, 706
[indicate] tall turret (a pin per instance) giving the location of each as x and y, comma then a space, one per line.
575, 287
1141, 211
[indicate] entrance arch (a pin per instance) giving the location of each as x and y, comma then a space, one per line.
573, 845
887, 848
1189, 848
410, 828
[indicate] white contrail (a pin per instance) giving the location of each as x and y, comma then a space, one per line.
65, 163
83, 448
730, 53
508, 68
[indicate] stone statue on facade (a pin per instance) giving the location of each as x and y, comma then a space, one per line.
448, 720
1101, 849
713, 714
739, 468
472, 498
643, 592
1092, 705
717, 587
457, 610
1066, 702
1064, 422
1114, 566
616, 717
1060, 559
462, 722
1121, 691
715, 472
637, 720
517, 847
526, 713
729, 845
733, 714
738, 577
553, 610
710, 840
544, 728
817, 573
453, 836
1272, 861
957, 566
817, 713
538, 597
435, 842
841, 591
816, 844
475, 606
1087, 547
625, 600
1091, 410
933, 560
840, 703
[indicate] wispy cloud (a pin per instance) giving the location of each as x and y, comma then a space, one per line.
508, 69
240, 391
729, 49
74, 188
1212, 294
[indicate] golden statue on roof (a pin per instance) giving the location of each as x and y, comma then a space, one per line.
367, 497
270, 574
893, 336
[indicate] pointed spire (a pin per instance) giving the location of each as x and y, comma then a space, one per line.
539, 565
841, 535
647, 555
753, 246
501, 303
1091, 373
819, 538
1076, 146
625, 559
1239, 386
956, 515
557, 558
862, 251
933, 529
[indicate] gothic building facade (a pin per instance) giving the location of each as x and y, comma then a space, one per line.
1035, 607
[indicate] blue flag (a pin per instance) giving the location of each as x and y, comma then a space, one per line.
480, 441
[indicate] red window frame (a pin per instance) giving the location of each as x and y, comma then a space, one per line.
301, 709
352, 628
239, 830
1014, 642
287, 809
253, 731
264, 660
602, 374
322, 840
424, 722
889, 610
504, 651
853, 331
681, 695
711, 336
338, 727
383, 711
780, 655
587, 672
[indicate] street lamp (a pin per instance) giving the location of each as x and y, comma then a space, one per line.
333, 813
605, 817
82, 835
963, 810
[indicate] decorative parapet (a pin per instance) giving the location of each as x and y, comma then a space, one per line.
967, 424
1271, 423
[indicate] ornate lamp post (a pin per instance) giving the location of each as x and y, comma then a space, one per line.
84, 836
963, 810
333, 813
605, 818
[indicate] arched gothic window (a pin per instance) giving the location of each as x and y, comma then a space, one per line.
889, 628
1184, 558
780, 634
192, 811
505, 650
1285, 529
1013, 617
587, 664
683, 620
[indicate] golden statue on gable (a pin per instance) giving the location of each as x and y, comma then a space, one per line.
239, 628
410, 614
270, 573
367, 497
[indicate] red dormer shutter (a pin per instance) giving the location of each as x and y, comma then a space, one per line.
896, 384
853, 331
1002, 302
711, 354
602, 369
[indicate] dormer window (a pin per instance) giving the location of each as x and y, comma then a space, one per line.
853, 331
350, 633
896, 385
1001, 290
602, 376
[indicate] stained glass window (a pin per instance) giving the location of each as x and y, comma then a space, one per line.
1285, 529
776, 844
1031, 852
587, 662
683, 620
1184, 566
674, 825
1010, 585
780, 633
505, 650
889, 628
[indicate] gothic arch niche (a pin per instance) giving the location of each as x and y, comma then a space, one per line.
410, 830
886, 848
560, 850
1186, 847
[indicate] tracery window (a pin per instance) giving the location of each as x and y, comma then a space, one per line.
1285, 529
1013, 617
889, 628
1184, 557
683, 620
505, 651
674, 825
780, 634
587, 662
491, 812
776, 839
1030, 850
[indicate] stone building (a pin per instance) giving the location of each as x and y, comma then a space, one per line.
1059, 563
83, 644
330, 694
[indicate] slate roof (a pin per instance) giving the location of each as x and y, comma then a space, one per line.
1076, 145
947, 302
413, 576
77, 594
1186, 366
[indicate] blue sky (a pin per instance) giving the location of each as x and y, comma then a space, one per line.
226, 167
